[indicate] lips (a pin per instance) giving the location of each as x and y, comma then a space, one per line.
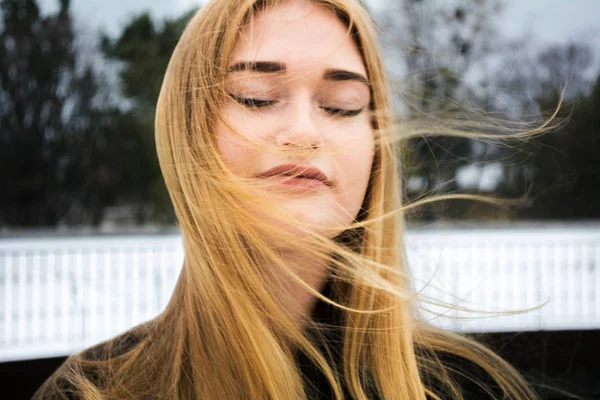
297, 171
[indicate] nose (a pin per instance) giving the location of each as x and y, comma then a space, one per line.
300, 130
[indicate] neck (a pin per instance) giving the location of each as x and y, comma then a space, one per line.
296, 299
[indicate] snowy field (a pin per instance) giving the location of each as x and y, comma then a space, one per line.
61, 294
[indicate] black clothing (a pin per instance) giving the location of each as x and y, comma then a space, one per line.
316, 384
327, 314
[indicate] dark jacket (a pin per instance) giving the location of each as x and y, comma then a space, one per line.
316, 384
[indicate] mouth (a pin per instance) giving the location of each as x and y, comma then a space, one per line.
298, 182
297, 176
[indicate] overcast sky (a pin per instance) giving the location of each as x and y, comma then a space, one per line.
547, 20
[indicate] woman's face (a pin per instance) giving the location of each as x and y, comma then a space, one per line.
298, 93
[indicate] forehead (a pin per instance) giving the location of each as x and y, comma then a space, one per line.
304, 36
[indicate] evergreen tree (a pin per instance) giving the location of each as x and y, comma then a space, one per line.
66, 155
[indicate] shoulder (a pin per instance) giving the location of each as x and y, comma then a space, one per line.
62, 384
118, 345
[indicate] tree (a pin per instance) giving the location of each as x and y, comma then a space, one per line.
37, 77
439, 44
528, 75
564, 173
556, 168
63, 159
439, 47
143, 50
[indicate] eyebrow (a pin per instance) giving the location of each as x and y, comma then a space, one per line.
269, 67
257, 66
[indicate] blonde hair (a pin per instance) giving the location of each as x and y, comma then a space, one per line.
223, 335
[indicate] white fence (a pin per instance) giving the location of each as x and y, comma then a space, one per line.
61, 294
555, 270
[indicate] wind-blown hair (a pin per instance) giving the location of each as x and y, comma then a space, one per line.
223, 334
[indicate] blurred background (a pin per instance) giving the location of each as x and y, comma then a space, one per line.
88, 241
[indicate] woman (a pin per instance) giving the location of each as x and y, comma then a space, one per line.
274, 136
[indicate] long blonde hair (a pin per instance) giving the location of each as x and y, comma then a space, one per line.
223, 335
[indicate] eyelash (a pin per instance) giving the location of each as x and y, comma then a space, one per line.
257, 103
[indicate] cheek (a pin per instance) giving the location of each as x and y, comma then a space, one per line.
354, 163
237, 153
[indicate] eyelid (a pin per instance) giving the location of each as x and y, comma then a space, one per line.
342, 112
252, 102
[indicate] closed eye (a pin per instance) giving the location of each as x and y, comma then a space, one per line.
253, 103
340, 112
260, 103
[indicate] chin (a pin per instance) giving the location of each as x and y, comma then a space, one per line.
321, 220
